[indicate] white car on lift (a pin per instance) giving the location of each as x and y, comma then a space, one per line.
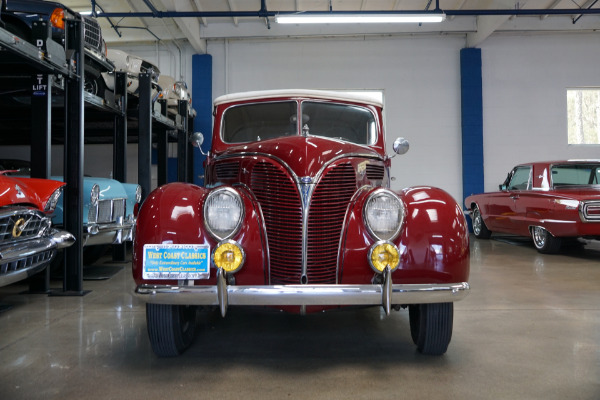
173, 91
133, 66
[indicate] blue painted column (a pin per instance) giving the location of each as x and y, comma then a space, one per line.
472, 121
202, 103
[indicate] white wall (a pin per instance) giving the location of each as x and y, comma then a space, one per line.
419, 77
524, 94
525, 81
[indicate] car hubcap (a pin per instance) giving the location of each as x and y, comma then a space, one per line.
477, 223
539, 236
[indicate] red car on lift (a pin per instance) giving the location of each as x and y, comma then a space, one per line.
552, 202
27, 240
297, 213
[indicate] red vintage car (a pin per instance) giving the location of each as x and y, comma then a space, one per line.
297, 213
552, 202
27, 240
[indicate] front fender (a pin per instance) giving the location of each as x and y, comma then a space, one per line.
433, 243
173, 213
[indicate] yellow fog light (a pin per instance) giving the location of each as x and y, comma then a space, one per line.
383, 254
229, 256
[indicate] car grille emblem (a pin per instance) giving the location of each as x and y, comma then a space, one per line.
19, 227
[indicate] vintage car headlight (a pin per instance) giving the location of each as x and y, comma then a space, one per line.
229, 256
53, 200
223, 212
384, 214
94, 194
383, 254
138, 194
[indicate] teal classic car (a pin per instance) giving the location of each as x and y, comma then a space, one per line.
107, 206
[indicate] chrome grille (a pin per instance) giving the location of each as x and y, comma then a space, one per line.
30, 223
107, 211
326, 218
227, 170
92, 33
374, 172
280, 203
282, 209
27, 262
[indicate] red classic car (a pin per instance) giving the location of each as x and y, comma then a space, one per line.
550, 201
27, 240
297, 214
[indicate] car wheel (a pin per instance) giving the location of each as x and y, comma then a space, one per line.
544, 242
94, 86
171, 328
479, 229
431, 326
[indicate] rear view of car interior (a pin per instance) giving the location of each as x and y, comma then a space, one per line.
301, 199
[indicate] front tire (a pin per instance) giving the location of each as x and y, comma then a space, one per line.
479, 229
544, 242
431, 326
171, 328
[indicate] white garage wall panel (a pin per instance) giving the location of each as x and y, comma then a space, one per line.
525, 82
419, 77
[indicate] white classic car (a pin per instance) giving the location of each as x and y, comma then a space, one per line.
133, 66
173, 91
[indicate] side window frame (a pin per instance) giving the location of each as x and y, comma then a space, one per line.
517, 186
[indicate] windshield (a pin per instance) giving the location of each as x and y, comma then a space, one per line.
256, 122
577, 174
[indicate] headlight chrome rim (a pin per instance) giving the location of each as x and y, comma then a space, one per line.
95, 194
229, 244
402, 210
211, 229
374, 247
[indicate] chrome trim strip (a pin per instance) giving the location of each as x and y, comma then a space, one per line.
583, 214
303, 295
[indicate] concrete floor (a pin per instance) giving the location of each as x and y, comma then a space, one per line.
530, 329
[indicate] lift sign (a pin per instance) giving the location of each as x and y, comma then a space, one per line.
176, 261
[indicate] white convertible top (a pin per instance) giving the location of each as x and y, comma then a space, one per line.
372, 98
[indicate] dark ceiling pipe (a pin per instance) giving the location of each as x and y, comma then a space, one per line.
263, 13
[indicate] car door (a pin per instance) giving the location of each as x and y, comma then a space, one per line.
503, 210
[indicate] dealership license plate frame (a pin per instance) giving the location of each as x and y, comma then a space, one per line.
176, 261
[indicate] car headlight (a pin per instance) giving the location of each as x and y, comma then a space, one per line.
94, 194
384, 214
53, 200
223, 212
383, 254
138, 194
229, 256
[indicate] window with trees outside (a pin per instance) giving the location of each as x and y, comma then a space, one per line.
583, 114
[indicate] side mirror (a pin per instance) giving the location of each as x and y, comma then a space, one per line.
401, 146
197, 139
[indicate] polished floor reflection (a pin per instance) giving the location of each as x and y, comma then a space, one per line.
530, 329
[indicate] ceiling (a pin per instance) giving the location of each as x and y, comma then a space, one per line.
196, 21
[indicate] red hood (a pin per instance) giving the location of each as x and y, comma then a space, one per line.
304, 155
28, 191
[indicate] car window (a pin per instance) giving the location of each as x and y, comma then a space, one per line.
339, 121
521, 179
576, 174
256, 122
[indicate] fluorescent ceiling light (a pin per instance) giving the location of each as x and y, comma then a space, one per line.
350, 18
85, 12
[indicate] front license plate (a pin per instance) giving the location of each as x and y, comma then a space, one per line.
176, 261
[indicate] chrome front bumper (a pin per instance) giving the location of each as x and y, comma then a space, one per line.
113, 233
223, 295
20, 260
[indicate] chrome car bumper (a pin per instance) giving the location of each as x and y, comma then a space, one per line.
22, 259
113, 233
223, 295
